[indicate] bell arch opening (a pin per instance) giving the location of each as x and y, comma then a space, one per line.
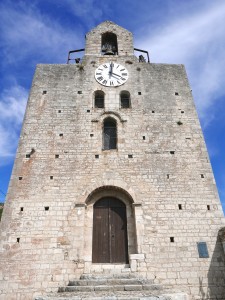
109, 44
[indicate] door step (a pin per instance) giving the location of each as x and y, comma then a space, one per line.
104, 296
116, 287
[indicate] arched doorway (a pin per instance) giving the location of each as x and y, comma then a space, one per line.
109, 231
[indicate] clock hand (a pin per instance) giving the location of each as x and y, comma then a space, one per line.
116, 74
111, 68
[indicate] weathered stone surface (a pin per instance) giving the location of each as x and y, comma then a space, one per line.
166, 185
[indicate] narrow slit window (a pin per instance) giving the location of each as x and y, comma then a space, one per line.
125, 99
109, 134
99, 99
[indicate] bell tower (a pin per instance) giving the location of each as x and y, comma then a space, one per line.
112, 189
109, 39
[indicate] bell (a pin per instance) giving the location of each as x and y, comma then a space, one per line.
108, 49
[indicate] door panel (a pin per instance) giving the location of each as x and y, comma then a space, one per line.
109, 232
118, 235
101, 235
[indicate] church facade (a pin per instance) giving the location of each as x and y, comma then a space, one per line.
112, 176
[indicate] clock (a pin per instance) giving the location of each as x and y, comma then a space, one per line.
111, 74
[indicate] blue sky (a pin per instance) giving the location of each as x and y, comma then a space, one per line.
173, 31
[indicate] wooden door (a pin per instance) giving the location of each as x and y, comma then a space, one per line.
109, 232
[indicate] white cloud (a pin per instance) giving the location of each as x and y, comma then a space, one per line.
197, 41
26, 33
89, 10
12, 107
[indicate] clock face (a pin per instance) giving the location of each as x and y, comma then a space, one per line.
111, 74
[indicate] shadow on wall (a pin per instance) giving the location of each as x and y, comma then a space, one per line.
216, 274
1, 210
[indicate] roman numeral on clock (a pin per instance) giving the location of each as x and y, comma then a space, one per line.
100, 78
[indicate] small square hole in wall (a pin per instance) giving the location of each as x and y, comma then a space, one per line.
139, 93
153, 111
130, 155
18, 240
59, 111
172, 152
208, 207
61, 134
57, 156
20, 178
46, 207
143, 137
168, 176
180, 206
91, 134
27, 155
172, 239
44, 92
51, 177
96, 156
21, 208
176, 94
88, 110
182, 112
79, 92
202, 176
